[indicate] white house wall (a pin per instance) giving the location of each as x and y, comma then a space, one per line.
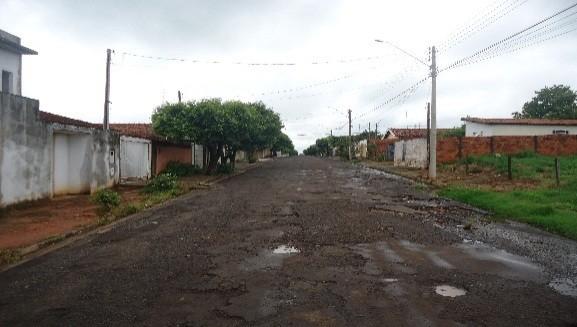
476, 129
12, 63
26, 153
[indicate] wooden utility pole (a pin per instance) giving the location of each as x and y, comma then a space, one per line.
106, 123
179, 96
433, 136
376, 131
350, 138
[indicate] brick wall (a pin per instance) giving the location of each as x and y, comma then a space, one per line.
455, 148
167, 153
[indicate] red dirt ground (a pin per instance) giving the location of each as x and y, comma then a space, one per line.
29, 223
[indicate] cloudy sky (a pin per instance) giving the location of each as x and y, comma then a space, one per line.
335, 64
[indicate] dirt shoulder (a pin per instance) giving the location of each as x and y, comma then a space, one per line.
28, 227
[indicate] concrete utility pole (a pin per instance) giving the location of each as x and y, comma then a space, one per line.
433, 137
369, 138
350, 138
179, 96
105, 124
428, 133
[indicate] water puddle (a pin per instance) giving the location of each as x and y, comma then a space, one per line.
284, 249
449, 291
518, 267
390, 280
564, 286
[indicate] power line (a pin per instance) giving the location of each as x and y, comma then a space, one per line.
482, 23
252, 63
492, 46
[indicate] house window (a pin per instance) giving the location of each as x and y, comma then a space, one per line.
6, 82
560, 132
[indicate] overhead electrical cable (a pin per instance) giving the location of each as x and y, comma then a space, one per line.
510, 37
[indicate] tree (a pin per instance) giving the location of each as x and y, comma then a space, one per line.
284, 144
223, 128
557, 102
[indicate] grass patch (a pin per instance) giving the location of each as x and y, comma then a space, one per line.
546, 206
9, 256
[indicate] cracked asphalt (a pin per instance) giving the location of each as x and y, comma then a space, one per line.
301, 242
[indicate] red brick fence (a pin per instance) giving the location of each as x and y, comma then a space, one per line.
454, 148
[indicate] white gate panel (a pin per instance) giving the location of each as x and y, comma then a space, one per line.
135, 155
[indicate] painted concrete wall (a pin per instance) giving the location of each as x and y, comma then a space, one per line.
12, 63
411, 153
476, 129
25, 153
88, 158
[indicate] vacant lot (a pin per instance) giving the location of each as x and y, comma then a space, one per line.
532, 197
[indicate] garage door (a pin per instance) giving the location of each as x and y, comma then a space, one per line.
72, 162
134, 158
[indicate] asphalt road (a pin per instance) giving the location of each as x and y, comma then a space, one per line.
301, 242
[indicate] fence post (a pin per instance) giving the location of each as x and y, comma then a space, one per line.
509, 168
557, 171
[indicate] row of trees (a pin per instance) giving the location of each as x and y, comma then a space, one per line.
323, 147
223, 128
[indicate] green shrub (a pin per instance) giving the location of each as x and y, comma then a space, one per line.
162, 183
225, 169
106, 199
181, 170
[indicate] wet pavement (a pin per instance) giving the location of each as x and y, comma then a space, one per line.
302, 242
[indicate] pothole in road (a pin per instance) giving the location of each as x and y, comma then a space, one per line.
564, 286
284, 249
449, 291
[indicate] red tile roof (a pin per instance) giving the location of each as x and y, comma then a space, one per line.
57, 119
411, 133
512, 121
140, 130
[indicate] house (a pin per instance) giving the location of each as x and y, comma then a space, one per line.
44, 155
143, 153
11, 62
478, 127
409, 133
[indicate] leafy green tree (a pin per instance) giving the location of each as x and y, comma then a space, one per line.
223, 128
557, 102
284, 144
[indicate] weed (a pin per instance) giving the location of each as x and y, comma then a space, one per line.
127, 210
106, 199
181, 170
9, 256
52, 240
225, 169
162, 183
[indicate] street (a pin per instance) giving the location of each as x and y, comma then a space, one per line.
301, 242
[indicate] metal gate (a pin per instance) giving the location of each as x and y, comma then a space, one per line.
135, 155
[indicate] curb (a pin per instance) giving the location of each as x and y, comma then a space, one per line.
57, 242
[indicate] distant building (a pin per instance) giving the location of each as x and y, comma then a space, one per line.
11, 62
409, 133
478, 127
